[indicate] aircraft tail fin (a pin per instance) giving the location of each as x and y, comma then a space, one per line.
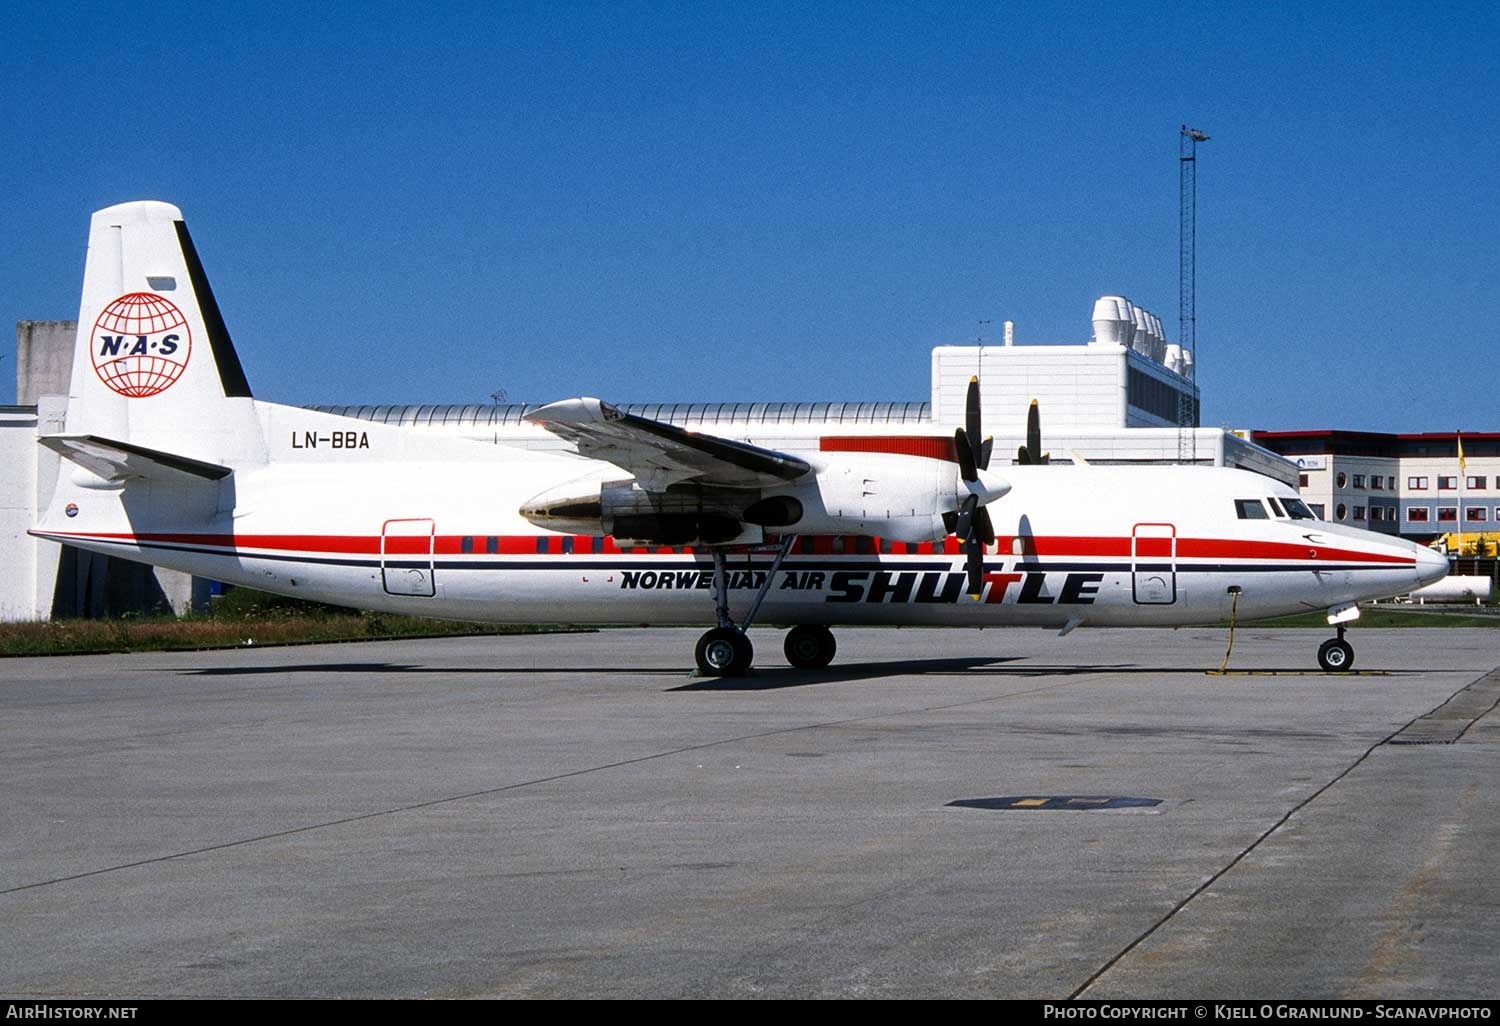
153, 364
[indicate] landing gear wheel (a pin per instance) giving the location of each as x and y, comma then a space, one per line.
810, 646
1336, 655
724, 652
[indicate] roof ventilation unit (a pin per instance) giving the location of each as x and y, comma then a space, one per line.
1114, 321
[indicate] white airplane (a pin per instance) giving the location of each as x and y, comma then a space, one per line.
170, 461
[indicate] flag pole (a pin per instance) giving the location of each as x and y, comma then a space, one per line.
1463, 467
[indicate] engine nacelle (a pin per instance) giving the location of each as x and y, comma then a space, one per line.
681, 515
903, 498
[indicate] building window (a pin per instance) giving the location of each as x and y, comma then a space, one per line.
1359, 480
1359, 512
1477, 514
1447, 514
1160, 399
1377, 482
1339, 480
1477, 483
1317, 509
1340, 511
1447, 484
1418, 514
1301, 480
1416, 484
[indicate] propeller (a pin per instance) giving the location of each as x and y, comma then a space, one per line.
1031, 453
973, 524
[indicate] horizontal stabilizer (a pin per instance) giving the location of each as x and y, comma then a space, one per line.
116, 461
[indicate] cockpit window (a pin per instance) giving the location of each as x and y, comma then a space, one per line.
1297, 509
1250, 509
1275, 507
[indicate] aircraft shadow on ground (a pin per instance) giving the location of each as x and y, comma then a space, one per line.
234, 671
779, 677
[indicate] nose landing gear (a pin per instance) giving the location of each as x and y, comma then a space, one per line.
1336, 655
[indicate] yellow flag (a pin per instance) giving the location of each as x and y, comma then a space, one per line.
1463, 465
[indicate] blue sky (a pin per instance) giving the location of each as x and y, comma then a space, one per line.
707, 202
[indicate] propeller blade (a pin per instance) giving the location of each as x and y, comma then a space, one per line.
971, 418
984, 529
965, 526
984, 453
975, 566
1033, 435
966, 469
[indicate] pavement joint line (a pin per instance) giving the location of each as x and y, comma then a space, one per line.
1493, 705
1438, 726
486, 792
1295, 673
1232, 863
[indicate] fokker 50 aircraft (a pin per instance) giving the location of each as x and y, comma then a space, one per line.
171, 461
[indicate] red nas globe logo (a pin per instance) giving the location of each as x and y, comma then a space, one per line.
141, 345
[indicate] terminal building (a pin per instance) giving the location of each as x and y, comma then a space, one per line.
1420, 486
1123, 396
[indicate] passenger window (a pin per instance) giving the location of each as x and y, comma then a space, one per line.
1250, 509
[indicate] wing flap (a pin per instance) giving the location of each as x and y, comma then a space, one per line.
661, 454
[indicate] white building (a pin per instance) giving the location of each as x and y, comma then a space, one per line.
1413, 485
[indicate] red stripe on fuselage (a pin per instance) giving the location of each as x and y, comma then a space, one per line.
938, 448
1055, 547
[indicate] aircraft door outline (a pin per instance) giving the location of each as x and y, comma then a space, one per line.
406, 550
1153, 564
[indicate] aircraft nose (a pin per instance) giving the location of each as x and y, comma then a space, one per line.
1432, 565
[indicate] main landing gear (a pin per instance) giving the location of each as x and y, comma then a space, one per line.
810, 646
725, 651
1336, 655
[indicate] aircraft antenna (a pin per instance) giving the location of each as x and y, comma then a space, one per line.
1187, 301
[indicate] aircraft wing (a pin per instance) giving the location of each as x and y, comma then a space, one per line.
663, 454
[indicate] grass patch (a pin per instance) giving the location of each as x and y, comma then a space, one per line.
1390, 616
251, 618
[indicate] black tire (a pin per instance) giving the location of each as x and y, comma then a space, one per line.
1336, 656
724, 652
810, 646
